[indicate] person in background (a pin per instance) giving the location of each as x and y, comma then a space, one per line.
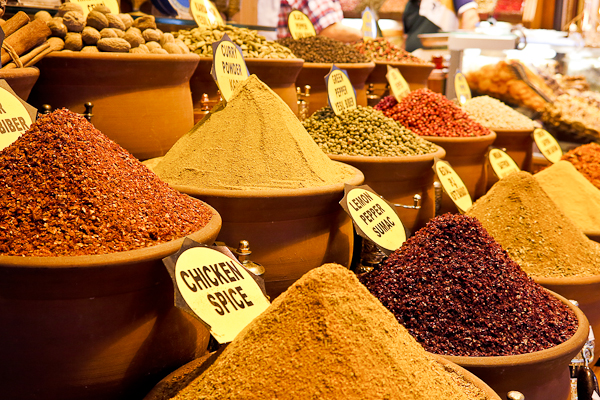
433, 16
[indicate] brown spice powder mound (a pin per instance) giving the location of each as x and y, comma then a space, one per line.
534, 231
327, 337
66, 190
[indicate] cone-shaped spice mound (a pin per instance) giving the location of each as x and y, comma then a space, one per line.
253, 142
459, 293
326, 337
534, 231
68, 190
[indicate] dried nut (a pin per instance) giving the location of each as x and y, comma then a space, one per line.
66, 7
43, 15
57, 27
158, 51
132, 29
172, 48
145, 22
90, 49
166, 38
108, 33
119, 32
97, 20
134, 38
90, 35
74, 21
56, 43
151, 35
182, 46
153, 45
102, 8
115, 22
141, 49
73, 41
126, 19
113, 44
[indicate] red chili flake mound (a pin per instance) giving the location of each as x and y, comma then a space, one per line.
586, 160
459, 293
427, 113
66, 190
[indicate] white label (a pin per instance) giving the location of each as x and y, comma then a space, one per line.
502, 164
205, 13
548, 145
462, 89
89, 5
340, 93
398, 84
229, 66
300, 26
453, 186
14, 118
369, 24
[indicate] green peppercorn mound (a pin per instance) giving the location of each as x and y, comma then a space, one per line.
364, 131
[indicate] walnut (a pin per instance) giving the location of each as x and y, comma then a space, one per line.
97, 20
114, 45
90, 35
73, 41
74, 21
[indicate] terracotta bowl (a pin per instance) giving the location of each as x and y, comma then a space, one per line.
313, 74
94, 327
518, 145
290, 231
398, 179
416, 75
142, 102
279, 75
595, 236
586, 290
21, 80
467, 157
542, 375
182, 377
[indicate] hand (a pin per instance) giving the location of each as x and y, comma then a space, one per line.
469, 19
339, 31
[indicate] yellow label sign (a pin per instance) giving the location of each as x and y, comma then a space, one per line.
219, 290
453, 185
205, 13
548, 146
369, 24
229, 67
398, 84
376, 219
300, 25
14, 118
89, 5
340, 93
502, 164
461, 87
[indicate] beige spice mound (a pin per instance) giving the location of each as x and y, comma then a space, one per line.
495, 115
327, 337
252, 142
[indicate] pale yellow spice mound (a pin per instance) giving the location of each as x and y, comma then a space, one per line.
327, 337
252, 142
577, 197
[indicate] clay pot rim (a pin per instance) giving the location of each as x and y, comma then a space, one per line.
311, 65
568, 280
576, 341
19, 72
512, 130
248, 60
115, 259
449, 139
125, 57
409, 64
356, 179
439, 153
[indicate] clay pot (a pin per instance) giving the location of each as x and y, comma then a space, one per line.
21, 80
518, 145
290, 231
313, 74
182, 377
279, 75
141, 101
467, 157
94, 327
398, 179
542, 375
416, 75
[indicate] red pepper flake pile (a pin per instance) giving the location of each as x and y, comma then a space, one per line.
586, 160
381, 49
459, 293
427, 113
69, 190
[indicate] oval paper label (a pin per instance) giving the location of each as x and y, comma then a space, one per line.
548, 145
502, 164
461, 87
89, 5
229, 66
219, 291
376, 219
14, 118
300, 26
369, 25
453, 185
205, 13
398, 84
340, 92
